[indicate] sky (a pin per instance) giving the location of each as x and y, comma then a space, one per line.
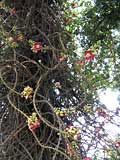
110, 99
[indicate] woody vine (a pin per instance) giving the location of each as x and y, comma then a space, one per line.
46, 88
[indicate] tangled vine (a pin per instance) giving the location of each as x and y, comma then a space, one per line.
41, 93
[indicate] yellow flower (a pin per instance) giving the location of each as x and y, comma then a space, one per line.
10, 39
27, 92
61, 112
88, 109
72, 131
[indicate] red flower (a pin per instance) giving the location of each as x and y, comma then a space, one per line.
89, 55
37, 46
33, 125
87, 158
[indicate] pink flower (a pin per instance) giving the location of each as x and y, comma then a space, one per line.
70, 151
117, 144
37, 46
102, 113
33, 125
76, 136
61, 57
13, 12
87, 158
57, 85
19, 37
89, 55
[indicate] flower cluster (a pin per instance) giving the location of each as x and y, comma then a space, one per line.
89, 55
12, 41
62, 112
18, 37
27, 92
71, 147
33, 122
72, 131
69, 150
88, 109
36, 46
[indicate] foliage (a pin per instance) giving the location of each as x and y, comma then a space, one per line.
100, 30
